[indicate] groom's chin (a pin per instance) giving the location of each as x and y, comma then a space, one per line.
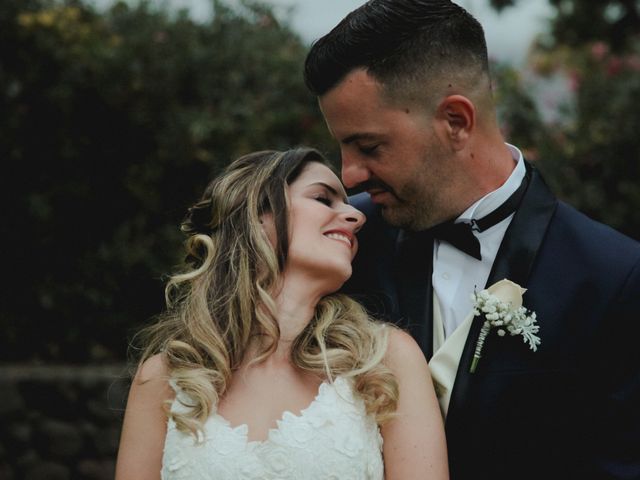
399, 217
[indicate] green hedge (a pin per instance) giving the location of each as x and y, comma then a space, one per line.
111, 126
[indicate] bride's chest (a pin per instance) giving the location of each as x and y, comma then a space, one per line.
331, 438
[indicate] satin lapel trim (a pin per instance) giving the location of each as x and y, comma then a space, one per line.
413, 274
525, 234
514, 261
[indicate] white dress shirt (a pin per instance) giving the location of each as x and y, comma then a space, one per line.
455, 274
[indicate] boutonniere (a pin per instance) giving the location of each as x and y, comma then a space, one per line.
501, 306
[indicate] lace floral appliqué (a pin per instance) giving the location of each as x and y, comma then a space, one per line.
333, 438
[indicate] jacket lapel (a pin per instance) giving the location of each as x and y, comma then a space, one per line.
524, 237
413, 271
514, 261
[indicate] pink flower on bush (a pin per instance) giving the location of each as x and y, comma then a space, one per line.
599, 50
614, 66
633, 63
574, 79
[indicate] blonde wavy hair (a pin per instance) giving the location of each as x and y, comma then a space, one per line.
221, 302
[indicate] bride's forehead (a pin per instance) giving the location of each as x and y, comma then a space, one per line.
315, 172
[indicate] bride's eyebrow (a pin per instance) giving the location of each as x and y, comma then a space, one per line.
336, 193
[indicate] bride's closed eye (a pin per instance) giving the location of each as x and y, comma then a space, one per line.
324, 199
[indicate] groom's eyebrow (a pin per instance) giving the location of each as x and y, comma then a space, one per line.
359, 136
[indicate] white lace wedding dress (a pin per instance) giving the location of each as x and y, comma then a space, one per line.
333, 438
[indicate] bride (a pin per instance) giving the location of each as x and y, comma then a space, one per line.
257, 369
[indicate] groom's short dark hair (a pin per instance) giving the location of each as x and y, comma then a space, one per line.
402, 44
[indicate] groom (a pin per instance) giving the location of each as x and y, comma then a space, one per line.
404, 87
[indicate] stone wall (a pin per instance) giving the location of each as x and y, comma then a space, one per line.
60, 422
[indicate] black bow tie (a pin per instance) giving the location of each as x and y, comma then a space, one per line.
461, 235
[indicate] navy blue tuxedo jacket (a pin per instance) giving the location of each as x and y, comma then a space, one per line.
571, 410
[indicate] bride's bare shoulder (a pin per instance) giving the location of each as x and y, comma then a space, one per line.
153, 368
403, 351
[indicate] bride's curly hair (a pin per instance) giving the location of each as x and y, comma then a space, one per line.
222, 300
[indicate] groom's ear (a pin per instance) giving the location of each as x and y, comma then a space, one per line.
458, 115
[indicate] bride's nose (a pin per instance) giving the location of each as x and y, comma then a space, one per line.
354, 217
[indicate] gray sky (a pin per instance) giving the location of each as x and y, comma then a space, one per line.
509, 34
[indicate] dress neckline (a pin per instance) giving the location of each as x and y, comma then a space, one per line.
242, 430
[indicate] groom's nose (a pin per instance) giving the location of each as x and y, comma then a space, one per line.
354, 171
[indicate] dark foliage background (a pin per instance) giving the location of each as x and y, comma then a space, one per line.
113, 122
111, 126
591, 152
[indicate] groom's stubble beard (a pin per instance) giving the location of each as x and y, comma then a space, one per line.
421, 202
414, 214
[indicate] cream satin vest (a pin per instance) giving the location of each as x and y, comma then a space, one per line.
445, 360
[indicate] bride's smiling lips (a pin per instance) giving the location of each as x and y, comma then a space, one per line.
341, 236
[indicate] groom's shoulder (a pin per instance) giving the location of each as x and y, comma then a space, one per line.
590, 237
570, 228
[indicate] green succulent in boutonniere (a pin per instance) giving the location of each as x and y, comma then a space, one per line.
501, 306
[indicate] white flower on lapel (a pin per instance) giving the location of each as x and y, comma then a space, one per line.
501, 306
